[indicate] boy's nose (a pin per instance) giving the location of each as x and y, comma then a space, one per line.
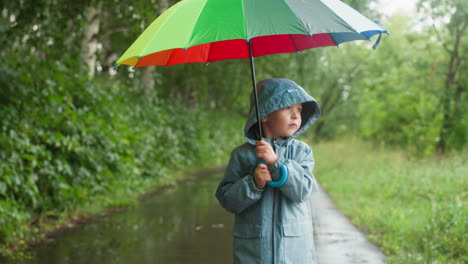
294, 115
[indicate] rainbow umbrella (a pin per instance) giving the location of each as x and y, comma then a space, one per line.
211, 30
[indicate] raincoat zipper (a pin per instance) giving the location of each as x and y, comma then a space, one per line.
273, 215
273, 227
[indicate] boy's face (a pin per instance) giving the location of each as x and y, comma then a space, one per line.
283, 122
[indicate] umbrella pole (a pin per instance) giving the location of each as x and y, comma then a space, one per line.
254, 84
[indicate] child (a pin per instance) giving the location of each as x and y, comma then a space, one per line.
273, 225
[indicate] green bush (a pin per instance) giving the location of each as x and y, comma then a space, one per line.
70, 144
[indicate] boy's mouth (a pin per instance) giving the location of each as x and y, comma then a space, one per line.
293, 125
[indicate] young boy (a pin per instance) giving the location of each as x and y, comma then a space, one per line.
273, 224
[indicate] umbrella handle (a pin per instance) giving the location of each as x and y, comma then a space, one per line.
283, 179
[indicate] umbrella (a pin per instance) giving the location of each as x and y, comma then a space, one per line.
211, 30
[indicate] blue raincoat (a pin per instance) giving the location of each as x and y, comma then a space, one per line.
273, 225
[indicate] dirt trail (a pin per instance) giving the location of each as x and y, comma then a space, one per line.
337, 241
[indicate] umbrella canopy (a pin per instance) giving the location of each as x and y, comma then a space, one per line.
212, 30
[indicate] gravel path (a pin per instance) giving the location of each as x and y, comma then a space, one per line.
337, 241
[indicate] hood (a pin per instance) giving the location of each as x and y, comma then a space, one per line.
274, 94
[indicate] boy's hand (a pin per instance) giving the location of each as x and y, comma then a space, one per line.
262, 176
265, 152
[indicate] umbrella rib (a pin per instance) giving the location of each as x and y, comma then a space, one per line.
209, 53
346, 22
191, 32
298, 19
334, 40
194, 26
245, 23
154, 35
170, 57
292, 41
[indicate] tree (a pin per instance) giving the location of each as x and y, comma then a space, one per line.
449, 23
89, 43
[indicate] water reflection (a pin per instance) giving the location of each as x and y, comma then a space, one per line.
184, 224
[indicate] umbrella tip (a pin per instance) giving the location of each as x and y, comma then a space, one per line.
139, 58
297, 52
185, 48
206, 64
310, 35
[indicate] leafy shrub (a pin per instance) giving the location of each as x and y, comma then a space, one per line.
69, 143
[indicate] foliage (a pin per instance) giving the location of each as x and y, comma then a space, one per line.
68, 142
394, 94
400, 106
450, 23
414, 209
81, 136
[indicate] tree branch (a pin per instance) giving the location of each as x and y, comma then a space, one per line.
440, 38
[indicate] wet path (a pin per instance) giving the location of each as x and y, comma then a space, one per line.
182, 224
337, 240
185, 224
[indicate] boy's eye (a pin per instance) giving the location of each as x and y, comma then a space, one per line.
298, 109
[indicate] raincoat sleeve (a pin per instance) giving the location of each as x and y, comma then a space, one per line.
237, 191
301, 182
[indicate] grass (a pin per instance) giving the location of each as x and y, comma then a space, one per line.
414, 209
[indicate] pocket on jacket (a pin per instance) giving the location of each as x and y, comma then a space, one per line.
247, 248
298, 243
296, 230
